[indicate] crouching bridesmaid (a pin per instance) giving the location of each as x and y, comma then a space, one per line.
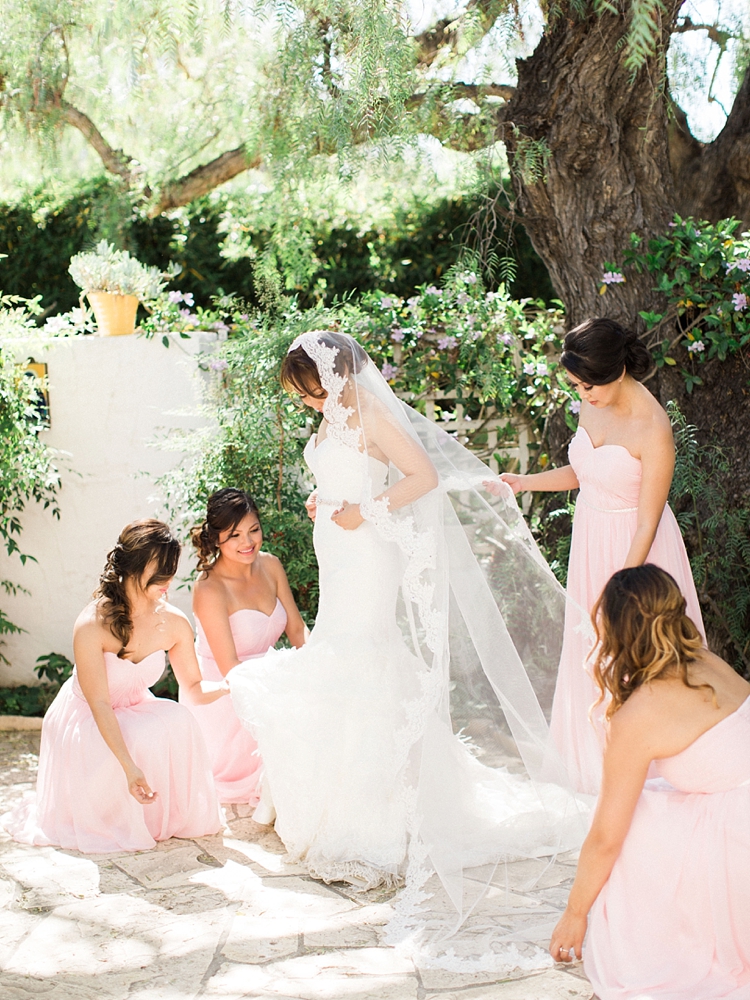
663, 874
242, 605
118, 768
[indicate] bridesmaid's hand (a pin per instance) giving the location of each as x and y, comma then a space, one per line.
498, 486
138, 787
348, 516
311, 505
567, 938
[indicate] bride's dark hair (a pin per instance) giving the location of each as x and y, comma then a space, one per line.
597, 351
224, 511
140, 545
299, 372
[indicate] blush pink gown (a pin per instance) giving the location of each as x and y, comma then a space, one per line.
82, 801
605, 521
673, 920
235, 761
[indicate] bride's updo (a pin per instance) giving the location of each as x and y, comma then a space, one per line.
597, 351
299, 371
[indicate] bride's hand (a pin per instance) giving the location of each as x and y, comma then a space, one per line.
348, 516
311, 505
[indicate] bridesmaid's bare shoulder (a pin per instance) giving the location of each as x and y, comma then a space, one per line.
91, 626
210, 594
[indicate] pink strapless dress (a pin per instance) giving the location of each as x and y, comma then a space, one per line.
234, 754
605, 521
82, 801
673, 920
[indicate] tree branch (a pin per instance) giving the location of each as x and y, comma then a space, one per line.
714, 32
114, 160
203, 179
447, 33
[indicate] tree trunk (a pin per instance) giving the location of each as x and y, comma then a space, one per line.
608, 172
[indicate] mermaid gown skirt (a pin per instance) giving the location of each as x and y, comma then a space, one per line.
82, 801
235, 760
673, 920
605, 521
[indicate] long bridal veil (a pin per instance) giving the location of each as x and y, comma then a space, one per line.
483, 616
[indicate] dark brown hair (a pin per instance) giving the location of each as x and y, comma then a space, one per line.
299, 372
643, 633
597, 351
140, 544
224, 511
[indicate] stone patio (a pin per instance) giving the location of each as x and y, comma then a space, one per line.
222, 917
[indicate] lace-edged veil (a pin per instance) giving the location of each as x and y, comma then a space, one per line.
483, 614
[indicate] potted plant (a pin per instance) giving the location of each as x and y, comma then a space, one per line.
115, 283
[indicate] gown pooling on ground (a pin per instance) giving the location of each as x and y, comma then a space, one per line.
337, 720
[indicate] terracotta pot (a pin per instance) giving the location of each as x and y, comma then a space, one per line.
115, 314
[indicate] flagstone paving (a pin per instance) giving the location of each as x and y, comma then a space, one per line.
218, 918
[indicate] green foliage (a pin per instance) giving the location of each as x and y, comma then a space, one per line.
718, 539
56, 667
26, 700
531, 159
27, 469
703, 271
231, 244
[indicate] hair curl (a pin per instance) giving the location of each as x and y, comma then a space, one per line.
141, 544
643, 633
598, 350
224, 511
299, 372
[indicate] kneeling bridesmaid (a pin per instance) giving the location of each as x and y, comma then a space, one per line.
118, 768
664, 870
242, 604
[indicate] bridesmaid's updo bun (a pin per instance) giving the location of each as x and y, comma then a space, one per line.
142, 545
597, 351
224, 511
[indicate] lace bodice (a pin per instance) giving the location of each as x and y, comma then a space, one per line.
338, 471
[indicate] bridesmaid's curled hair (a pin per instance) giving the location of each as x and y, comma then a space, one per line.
597, 351
224, 511
643, 633
143, 545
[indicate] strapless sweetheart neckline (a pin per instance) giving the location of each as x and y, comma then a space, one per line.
134, 662
319, 444
257, 611
598, 447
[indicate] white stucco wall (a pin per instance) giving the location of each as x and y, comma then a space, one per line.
111, 398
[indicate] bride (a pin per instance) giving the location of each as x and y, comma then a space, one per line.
406, 738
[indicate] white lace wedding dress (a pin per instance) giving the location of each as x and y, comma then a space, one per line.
369, 781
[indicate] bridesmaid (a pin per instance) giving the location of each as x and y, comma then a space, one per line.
118, 768
242, 604
622, 459
664, 870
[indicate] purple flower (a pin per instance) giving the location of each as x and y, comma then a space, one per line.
187, 298
218, 365
476, 334
740, 301
186, 314
504, 338
743, 264
470, 279
244, 316
221, 328
697, 347
672, 225
388, 371
386, 302
462, 298
446, 343
433, 290
175, 297
529, 368
574, 406
413, 302
397, 334
541, 368
613, 278
471, 320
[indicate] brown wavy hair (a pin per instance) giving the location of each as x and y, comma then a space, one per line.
140, 544
224, 511
643, 633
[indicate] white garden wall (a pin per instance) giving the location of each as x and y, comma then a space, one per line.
111, 399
